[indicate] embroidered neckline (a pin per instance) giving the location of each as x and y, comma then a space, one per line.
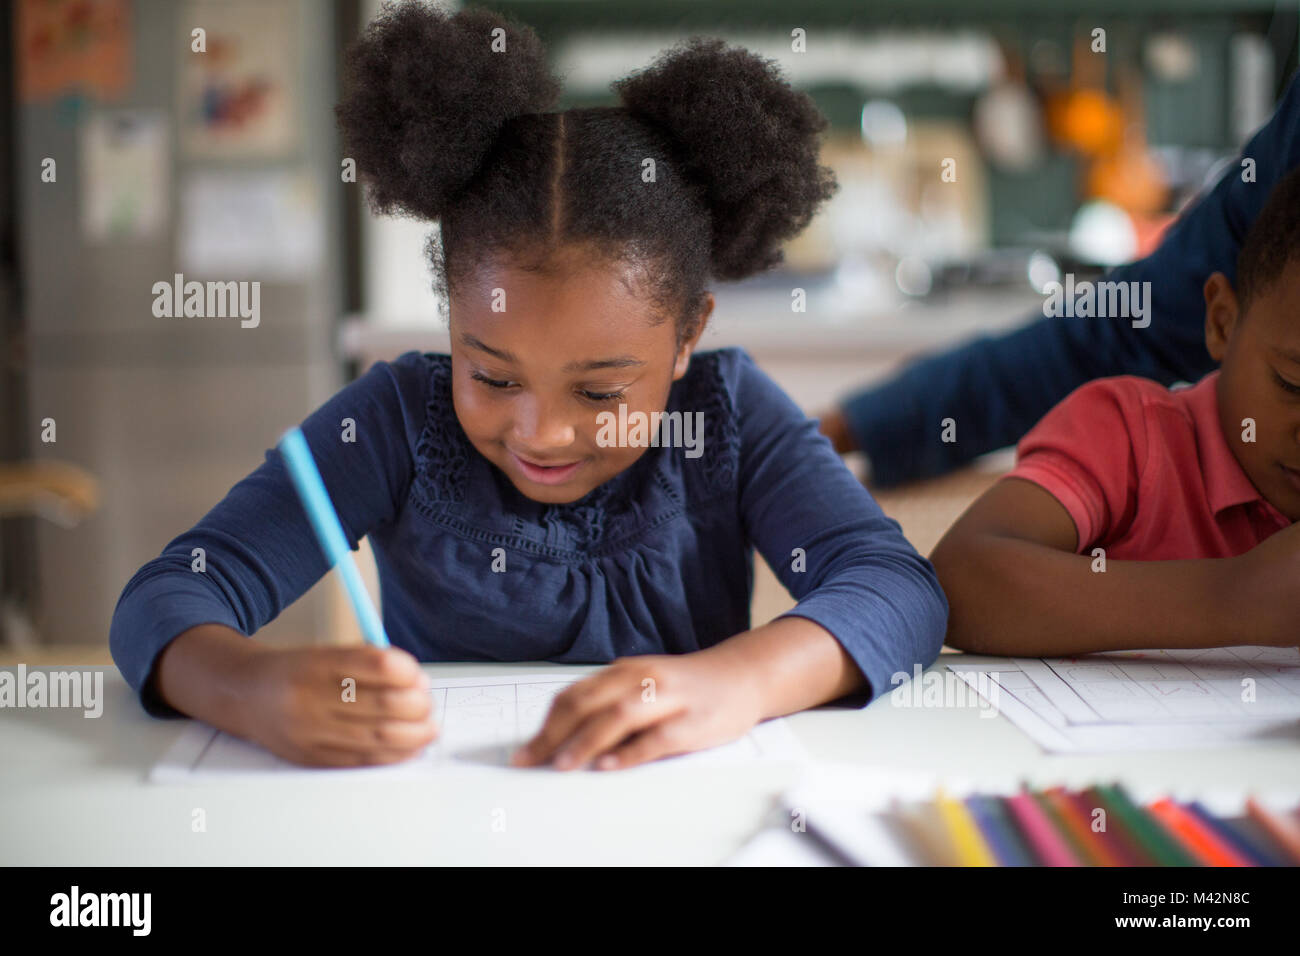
608, 512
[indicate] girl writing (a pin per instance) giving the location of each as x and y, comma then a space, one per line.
574, 253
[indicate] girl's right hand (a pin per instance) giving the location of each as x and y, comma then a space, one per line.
339, 706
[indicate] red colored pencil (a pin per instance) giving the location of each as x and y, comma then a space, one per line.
1198, 840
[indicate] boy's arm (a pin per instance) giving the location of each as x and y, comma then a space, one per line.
1016, 587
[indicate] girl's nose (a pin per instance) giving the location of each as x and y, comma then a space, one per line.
542, 427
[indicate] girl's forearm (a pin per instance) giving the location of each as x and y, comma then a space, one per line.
794, 663
1010, 596
204, 673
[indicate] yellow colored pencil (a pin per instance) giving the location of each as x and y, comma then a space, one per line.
972, 850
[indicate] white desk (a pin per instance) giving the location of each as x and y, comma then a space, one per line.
74, 793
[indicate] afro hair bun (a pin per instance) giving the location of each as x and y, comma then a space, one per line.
746, 135
426, 94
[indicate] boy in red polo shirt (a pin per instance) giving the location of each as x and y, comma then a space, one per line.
1140, 517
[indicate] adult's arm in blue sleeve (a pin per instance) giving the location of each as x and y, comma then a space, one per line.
996, 387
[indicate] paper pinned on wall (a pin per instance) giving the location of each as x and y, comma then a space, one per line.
259, 224
237, 92
69, 46
125, 179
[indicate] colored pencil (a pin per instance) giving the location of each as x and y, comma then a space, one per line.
1242, 834
1203, 843
1052, 849
1062, 827
1135, 849
1284, 831
1161, 846
1114, 839
963, 833
1075, 823
1000, 833
325, 522
927, 832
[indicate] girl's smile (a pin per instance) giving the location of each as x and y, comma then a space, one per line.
538, 353
546, 473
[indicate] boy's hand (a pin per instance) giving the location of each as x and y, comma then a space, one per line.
1265, 586
665, 704
340, 706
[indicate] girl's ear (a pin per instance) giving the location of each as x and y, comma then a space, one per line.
1221, 314
684, 351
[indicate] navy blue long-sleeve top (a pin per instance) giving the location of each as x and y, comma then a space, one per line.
659, 559
997, 387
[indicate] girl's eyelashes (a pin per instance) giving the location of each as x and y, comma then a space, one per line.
493, 382
1291, 387
588, 394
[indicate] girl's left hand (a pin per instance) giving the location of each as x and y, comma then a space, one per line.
665, 704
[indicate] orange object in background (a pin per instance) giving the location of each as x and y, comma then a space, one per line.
1085, 120
1131, 179
1083, 116
1130, 176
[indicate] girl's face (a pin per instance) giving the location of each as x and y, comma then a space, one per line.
536, 358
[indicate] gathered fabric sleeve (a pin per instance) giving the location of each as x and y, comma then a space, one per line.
846, 563
259, 552
1087, 454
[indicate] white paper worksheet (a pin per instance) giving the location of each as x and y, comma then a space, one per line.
1142, 700
481, 719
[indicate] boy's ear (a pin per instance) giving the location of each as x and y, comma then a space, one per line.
687, 347
1221, 314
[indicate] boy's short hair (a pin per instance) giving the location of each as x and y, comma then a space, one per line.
1272, 242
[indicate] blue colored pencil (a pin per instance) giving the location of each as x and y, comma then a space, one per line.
1240, 837
999, 831
325, 521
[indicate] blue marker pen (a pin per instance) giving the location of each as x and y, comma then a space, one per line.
325, 521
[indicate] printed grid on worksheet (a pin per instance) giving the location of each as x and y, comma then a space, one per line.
493, 714
1213, 684
481, 722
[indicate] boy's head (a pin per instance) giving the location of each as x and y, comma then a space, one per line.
1253, 331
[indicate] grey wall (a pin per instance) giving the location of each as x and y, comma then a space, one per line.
167, 413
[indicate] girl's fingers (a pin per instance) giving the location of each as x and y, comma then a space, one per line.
376, 666
569, 710
609, 727
326, 756
665, 739
388, 702
369, 734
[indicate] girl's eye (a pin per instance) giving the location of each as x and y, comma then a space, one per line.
493, 382
602, 396
1289, 386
